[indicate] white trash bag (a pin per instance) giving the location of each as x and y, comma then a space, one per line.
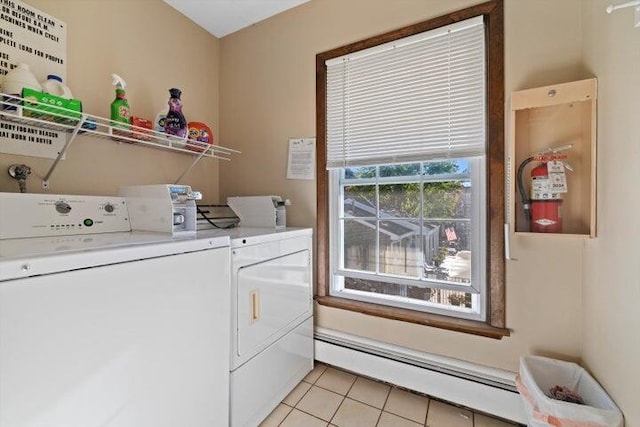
538, 375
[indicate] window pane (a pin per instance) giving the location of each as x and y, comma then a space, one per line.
451, 298
447, 199
456, 267
445, 167
361, 172
360, 201
432, 243
449, 258
399, 201
383, 288
410, 294
360, 245
407, 169
400, 248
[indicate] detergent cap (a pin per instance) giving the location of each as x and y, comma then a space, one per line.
54, 77
118, 81
175, 93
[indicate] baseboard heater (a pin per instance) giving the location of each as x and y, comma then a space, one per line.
484, 389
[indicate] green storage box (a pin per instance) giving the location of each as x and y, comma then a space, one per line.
40, 105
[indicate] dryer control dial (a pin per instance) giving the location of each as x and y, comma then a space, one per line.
63, 207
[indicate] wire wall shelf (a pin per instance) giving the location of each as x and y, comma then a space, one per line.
74, 123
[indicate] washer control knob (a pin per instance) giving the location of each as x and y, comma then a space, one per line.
108, 208
63, 207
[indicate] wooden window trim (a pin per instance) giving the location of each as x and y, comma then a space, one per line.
494, 327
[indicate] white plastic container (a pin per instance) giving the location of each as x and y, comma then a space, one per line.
158, 124
19, 78
54, 86
539, 374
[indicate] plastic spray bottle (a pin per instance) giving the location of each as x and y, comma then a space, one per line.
119, 107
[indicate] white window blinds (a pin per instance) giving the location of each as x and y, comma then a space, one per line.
418, 98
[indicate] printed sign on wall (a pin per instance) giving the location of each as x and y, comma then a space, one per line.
32, 37
302, 158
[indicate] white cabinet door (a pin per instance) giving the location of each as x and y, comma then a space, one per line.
137, 344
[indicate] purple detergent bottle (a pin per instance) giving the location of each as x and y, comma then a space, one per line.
175, 123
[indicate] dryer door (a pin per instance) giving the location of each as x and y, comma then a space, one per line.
273, 296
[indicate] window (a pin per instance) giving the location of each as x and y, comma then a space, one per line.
407, 235
410, 208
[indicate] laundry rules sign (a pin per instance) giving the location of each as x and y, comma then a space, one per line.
39, 40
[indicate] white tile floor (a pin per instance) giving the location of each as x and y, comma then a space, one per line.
331, 397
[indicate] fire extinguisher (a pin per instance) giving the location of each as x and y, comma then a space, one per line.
543, 209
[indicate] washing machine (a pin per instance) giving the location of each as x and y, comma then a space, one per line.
272, 318
103, 326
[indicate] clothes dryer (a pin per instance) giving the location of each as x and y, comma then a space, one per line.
272, 319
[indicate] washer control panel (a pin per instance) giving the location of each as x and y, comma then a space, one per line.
39, 215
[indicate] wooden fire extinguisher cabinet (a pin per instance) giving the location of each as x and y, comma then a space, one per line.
547, 117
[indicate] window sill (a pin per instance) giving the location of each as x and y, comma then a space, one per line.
411, 316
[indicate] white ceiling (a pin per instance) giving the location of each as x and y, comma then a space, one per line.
222, 17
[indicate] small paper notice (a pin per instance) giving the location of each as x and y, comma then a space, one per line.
302, 158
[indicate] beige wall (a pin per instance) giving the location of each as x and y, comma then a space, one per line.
268, 95
153, 48
611, 271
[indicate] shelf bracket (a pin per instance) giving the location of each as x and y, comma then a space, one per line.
215, 154
196, 160
70, 138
